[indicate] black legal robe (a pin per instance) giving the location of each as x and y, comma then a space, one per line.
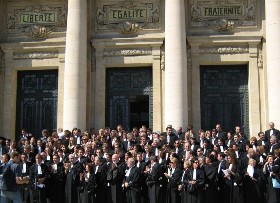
154, 182
196, 195
57, 183
173, 194
72, 183
133, 189
253, 187
115, 176
210, 173
184, 183
37, 192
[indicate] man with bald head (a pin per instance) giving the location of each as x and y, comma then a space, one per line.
131, 183
271, 131
115, 176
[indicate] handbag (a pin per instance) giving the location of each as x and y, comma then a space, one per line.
275, 183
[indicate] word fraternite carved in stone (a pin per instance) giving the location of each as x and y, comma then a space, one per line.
36, 20
128, 17
223, 15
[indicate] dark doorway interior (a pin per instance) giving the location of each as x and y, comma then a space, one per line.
139, 110
224, 97
128, 97
36, 101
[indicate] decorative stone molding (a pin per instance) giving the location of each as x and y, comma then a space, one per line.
222, 24
36, 20
35, 55
162, 57
2, 61
224, 50
189, 58
127, 52
93, 60
260, 56
38, 31
128, 17
223, 15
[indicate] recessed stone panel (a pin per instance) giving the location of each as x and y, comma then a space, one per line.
223, 15
128, 17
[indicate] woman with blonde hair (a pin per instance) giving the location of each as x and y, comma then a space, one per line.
174, 177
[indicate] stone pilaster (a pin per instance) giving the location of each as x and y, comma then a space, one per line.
254, 94
75, 71
157, 85
273, 59
176, 105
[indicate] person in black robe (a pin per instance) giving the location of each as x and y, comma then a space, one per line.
57, 180
88, 185
210, 172
233, 190
39, 176
184, 181
100, 175
162, 161
25, 166
131, 183
72, 170
253, 181
174, 177
195, 184
154, 180
115, 176
141, 164
272, 194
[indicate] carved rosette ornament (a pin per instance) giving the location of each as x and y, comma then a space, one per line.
223, 15
36, 20
128, 17
37, 31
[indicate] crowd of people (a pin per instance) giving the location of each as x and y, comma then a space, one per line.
142, 166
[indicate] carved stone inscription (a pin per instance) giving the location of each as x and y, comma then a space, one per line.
223, 15
128, 16
36, 20
42, 18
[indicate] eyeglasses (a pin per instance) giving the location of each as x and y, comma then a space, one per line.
198, 151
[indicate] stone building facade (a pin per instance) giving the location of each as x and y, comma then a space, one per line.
97, 63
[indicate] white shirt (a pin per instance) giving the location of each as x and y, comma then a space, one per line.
78, 140
182, 179
194, 174
127, 172
39, 170
250, 170
24, 168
